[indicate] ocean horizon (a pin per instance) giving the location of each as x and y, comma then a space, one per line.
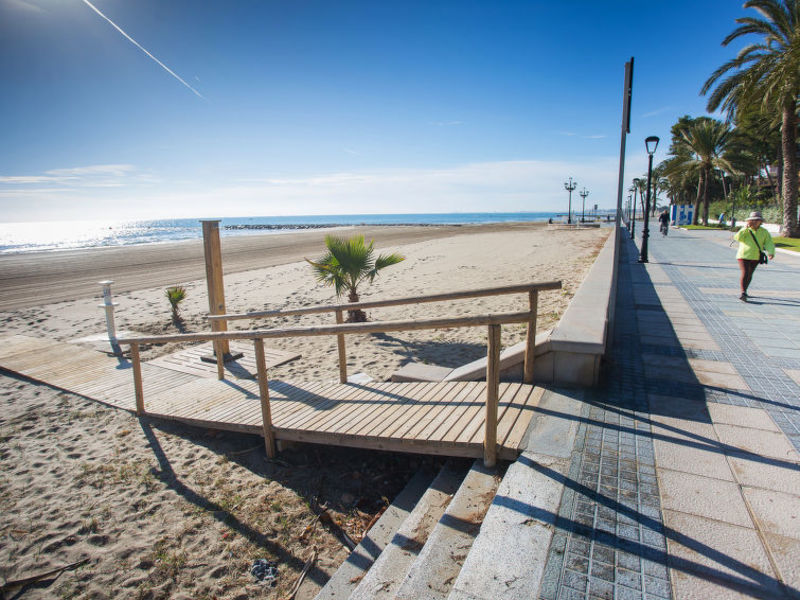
73, 235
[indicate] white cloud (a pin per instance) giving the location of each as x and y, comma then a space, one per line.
656, 112
507, 186
24, 6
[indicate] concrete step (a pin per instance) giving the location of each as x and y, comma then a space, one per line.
507, 559
390, 568
350, 573
438, 564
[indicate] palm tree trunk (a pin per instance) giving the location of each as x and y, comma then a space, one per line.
696, 215
358, 315
706, 177
789, 147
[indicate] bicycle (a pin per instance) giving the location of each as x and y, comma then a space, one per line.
664, 229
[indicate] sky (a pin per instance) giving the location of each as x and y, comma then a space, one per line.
145, 109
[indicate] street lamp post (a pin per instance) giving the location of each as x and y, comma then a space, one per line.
633, 220
583, 194
570, 186
651, 143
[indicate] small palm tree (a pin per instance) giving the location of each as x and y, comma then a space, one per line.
347, 263
176, 295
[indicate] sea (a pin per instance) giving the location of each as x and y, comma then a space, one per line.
71, 235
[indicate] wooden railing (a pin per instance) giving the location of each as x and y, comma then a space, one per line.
532, 289
492, 322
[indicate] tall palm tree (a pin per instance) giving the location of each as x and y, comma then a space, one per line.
347, 263
703, 144
767, 73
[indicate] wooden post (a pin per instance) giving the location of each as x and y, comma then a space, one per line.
263, 388
137, 379
342, 354
216, 292
492, 393
530, 340
218, 351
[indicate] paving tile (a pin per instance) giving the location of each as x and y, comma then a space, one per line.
761, 474
703, 497
712, 366
658, 340
756, 418
678, 456
765, 443
794, 374
699, 435
672, 406
775, 512
699, 345
721, 380
689, 586
719, 550
785, 552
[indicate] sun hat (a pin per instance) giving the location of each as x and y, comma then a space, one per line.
755, 216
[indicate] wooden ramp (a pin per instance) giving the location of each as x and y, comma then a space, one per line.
429, 418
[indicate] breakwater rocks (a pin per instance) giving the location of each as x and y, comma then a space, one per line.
272, 226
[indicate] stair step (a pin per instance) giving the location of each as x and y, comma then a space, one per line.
348, 575
507, 559
435, 569
390, 568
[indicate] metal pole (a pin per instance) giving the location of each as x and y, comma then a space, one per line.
570, 187
583, 194
633, 220
646, 230
109, 305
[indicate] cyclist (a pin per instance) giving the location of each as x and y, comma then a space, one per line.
663, 219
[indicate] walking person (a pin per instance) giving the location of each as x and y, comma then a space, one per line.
755, 244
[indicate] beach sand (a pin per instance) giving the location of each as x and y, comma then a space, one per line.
167, 511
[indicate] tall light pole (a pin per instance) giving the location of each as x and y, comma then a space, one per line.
651, 143
583, 193
633, 220
570, 187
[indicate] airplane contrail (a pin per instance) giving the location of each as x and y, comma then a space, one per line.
140, 47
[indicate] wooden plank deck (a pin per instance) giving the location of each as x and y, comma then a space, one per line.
188, 360
431, 418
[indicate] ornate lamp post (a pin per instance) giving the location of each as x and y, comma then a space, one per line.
570, 187
583, 194
651, 143
636, 183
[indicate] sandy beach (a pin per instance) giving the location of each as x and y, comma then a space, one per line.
165, 511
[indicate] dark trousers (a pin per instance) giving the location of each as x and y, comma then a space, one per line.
746, 269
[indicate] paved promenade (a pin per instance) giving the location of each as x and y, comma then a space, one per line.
685, 479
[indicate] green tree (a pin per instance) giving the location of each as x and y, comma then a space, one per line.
699, 150
766, 74
347, 263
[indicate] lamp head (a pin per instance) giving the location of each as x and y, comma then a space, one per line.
651, 143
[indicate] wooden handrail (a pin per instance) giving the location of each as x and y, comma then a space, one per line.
322, 308
340, 329
344, 328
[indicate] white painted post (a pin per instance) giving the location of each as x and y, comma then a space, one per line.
109, 305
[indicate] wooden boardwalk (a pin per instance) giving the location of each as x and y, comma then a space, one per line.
431, 418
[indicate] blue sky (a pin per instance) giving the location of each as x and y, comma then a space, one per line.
320, 107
